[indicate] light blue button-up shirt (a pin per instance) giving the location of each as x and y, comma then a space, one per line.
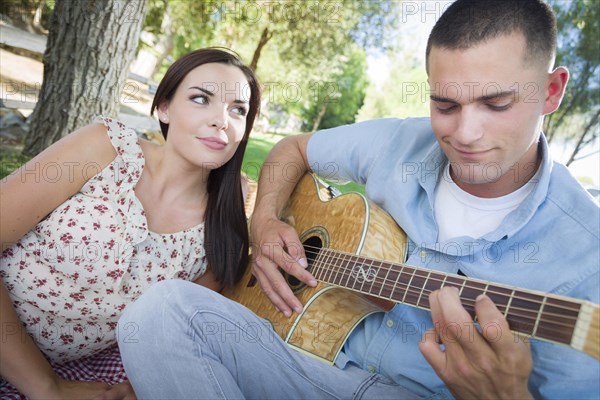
551, 243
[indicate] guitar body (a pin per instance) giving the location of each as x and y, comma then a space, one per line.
347, 223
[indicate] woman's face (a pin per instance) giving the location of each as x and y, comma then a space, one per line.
207, 114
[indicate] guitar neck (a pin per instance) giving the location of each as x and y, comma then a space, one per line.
531, 313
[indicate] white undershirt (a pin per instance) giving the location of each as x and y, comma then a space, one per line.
459, 213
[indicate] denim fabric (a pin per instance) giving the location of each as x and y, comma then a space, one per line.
183, 341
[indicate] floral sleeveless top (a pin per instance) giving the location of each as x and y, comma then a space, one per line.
73, 274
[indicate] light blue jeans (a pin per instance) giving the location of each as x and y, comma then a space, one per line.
183, 341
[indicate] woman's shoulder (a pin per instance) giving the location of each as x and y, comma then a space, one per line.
85, 145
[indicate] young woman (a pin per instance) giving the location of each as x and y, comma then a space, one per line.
99, 216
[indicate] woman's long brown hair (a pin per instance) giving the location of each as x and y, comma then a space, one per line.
226, 240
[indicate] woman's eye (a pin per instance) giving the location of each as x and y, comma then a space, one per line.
240, 111
200, 99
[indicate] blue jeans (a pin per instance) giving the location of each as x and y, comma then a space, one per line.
181, 341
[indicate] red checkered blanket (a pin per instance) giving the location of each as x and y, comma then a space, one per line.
105, 366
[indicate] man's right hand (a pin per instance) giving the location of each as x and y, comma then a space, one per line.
277, 245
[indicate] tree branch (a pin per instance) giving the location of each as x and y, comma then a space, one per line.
592, 123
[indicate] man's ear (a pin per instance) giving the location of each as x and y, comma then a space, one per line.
555, 89
163, 112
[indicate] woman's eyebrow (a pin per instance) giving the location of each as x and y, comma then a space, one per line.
211, 94
208, 92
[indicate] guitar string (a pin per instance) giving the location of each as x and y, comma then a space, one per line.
468, 302
417, 297
514, 310
465, 279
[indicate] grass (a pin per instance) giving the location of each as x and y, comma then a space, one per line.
257, 150
10, 160
255, 155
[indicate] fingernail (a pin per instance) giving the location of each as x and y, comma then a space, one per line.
298, 310
480, 297
287, 313
312, 283
303, 263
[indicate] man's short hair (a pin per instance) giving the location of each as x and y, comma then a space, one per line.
467, 23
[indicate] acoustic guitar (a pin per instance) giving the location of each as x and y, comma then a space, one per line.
357, 251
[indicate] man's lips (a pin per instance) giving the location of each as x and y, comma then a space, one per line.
213, 143
470, 153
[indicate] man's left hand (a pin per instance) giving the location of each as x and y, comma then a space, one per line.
489, 362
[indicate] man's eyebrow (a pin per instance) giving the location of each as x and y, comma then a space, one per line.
209, 93
441, 99
506, 93
487, 97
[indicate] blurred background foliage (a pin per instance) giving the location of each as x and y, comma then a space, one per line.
576, 121
311, 56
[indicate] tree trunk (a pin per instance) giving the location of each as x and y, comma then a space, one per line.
86, 62
37, 17
264, 38
320, 116
165, 44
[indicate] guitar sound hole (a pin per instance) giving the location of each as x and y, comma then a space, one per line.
312, 245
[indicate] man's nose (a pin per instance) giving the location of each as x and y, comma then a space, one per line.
470, 127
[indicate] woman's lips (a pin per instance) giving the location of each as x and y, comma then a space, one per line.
213, 143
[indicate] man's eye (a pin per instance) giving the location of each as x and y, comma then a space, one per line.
446, 109
496, 107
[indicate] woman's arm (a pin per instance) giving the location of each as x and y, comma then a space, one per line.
26, 197
49, 179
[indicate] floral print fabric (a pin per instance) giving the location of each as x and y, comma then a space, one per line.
75, 272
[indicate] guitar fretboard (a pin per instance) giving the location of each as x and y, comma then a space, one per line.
528, 312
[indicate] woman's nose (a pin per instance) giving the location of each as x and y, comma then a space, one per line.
219, 118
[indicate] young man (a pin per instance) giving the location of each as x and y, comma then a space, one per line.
477, 193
